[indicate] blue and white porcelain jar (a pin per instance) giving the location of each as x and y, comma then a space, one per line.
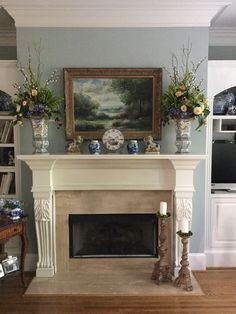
94, 147
15, 213
224, 103
132, 147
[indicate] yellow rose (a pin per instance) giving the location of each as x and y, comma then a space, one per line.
197, 111
183, 108
203, 107
178, 93
19, 122
34, 92
18, 107
182, 87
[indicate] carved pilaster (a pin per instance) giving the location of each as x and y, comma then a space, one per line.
44, 233
183, 208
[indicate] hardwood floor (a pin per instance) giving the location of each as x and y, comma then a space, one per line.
218, 285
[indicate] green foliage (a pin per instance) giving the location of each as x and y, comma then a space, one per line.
34, 97
184, 97
84, 106
136, 94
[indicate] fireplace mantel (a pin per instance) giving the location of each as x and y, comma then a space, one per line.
104, 172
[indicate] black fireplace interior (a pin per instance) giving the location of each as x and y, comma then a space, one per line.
113, 235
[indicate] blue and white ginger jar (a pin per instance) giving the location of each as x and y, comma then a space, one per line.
94, 147
132, 147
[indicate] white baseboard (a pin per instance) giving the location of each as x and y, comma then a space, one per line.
220, 259
197, 261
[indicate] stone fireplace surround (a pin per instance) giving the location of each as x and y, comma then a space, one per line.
64, 184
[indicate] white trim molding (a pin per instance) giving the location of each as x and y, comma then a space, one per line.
220, 258
113, 13
222, 36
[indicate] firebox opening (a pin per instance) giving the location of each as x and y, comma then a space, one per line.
113, 235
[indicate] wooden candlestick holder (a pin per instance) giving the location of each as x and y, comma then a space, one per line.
184, 278
161, 271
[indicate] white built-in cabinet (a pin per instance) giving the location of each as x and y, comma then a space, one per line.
221, 205
10, 170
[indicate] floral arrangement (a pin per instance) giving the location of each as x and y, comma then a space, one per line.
184, 97
10, 204
34, 97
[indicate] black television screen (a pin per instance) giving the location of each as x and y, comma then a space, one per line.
223, 163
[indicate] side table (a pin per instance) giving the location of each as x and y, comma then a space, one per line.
8, 229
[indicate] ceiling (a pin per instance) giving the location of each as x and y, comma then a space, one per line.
224, 21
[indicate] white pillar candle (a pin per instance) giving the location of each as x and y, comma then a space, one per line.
163, 208
184, 225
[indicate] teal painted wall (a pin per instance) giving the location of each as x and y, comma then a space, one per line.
222, 53
107, 47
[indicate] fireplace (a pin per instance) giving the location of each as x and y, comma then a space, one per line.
112, 235
129, 184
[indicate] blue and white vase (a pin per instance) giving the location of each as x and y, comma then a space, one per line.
15, 213
132, 147
94, 147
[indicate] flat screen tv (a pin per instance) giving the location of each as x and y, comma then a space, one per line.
223, 174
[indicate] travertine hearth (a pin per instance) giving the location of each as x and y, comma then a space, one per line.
64, 184
104, 277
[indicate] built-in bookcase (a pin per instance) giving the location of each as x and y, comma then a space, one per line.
9, 134
9, 148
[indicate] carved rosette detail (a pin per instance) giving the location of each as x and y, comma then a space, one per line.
42, 210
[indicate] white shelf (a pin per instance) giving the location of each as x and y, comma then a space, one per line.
8, 195
7, 145
224, 117
7, 169
224, 124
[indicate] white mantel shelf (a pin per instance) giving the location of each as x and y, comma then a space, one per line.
111, 172
104, 172
111, 157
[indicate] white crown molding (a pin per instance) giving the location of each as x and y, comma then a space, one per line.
113, 13
222, 36
7, 37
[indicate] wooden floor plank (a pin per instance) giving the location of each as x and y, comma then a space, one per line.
218, 285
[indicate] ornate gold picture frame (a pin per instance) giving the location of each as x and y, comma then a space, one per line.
101, 98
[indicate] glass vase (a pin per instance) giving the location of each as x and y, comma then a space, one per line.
40, 134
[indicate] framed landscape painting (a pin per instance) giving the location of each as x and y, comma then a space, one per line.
101, 98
